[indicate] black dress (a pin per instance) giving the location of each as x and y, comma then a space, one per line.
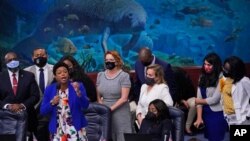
158, 129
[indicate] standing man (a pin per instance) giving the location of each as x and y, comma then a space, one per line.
146, 58
44, 76
18, 95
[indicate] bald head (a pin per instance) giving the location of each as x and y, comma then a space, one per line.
145, 56
10, 56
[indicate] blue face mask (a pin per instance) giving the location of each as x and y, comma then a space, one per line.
13, 65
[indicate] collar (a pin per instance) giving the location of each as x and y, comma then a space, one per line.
44, 68
10, 72
153, 62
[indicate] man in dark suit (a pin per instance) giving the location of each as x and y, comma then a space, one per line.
19, 93
146, 58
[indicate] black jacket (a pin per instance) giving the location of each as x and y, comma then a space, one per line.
158, 129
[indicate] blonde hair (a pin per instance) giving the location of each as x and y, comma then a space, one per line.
159, 73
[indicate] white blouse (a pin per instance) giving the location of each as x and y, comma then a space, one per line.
158, 91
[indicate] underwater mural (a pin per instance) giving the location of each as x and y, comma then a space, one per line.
180, 32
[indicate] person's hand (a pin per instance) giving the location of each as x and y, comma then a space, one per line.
76, 87
55, 100
15, 108
185, 103
139, 119
198, 123
197, 101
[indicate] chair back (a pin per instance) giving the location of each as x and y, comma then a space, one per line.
99, 122
178, 119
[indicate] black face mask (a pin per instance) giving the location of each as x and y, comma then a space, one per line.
226, 74
149, 81
150, 116
40, 61
146, 63
110, 65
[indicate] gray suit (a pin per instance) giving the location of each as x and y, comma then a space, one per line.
42, 133
49, 78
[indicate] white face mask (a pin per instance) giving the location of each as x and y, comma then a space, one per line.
13, 64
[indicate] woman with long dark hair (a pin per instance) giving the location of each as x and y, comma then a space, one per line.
235, 89
157, 121
78, 74
209, 109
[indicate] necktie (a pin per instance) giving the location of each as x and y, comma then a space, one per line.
14, 83
41, 80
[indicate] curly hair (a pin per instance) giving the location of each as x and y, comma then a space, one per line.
58, 65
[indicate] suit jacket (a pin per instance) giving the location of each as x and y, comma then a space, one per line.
27, 90
168, 72
50, 78
76, 104
27, 94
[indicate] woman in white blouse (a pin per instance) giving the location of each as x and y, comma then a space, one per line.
155, 87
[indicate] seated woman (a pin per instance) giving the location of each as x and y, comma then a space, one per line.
155, 87
157, 122
64, 102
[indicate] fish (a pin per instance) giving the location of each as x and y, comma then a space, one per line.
231, 38
65, 46
84, 29
157, 21
47, 29
101, 17
233, 35
202, 22
87, 46
71, 17
61, 25
193, 10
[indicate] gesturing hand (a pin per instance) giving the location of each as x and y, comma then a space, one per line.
76, 86
55, 100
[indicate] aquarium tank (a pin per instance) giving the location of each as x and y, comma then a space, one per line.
180, 32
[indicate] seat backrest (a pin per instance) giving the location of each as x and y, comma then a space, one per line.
178, 118
99, 122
